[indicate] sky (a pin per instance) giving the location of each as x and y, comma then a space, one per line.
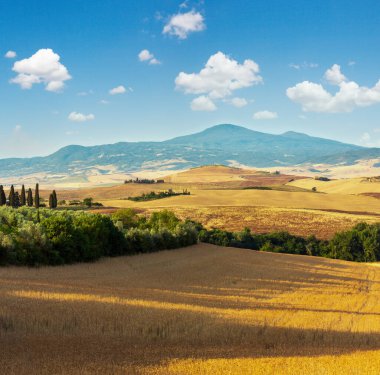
95, 72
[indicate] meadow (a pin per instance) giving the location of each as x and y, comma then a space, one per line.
200, 310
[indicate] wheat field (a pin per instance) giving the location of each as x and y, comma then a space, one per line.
200, 310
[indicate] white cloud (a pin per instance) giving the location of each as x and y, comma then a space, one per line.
334, 76
265, 115
313, 97
304, 65
182, 24
203, 103
154, 61
239, 102
10, 55
351, 63
145, 55
365, 138
220, 77
80, 117
42, 67
103, 101
118, 90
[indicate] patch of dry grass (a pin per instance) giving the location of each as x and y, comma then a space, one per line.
200, 310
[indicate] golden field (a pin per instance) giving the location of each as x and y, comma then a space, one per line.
226, 198
341, 186
200, 310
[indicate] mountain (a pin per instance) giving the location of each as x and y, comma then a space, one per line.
220, 144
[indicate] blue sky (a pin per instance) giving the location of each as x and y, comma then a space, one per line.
273, 66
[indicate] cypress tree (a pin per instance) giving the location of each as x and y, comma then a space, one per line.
23, 196
12, 196
16, 200
3, 199
30, 198
37, 197
55, 199
51, 201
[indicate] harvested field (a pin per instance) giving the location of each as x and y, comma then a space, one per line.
199, 310
304, 223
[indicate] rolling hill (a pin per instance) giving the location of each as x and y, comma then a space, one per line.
220, 144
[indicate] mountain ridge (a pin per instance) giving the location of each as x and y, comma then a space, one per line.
220, 144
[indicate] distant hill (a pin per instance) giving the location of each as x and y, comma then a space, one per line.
221, 144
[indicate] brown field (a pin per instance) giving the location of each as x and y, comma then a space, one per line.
199, 310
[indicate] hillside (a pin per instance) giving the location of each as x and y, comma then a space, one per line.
199, 310
222, 144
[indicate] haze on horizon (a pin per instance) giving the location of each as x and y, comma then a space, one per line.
122, 71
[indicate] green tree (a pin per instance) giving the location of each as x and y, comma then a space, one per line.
51, 201
37, 197
55, 199
11, 197
3, 199
30, 197
23, 196
87, 202
16, 200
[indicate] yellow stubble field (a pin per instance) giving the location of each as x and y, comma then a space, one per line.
200, 310
301, 213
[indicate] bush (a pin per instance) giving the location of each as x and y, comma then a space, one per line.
33, 237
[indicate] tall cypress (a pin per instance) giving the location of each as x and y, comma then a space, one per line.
37, 197
12, 196
30, 198
51, 201
16, 200
23, 196
3, 199
55, 199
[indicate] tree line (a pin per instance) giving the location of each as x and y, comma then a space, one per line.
30, 236
16, 199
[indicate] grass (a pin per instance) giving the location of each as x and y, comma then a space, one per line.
199, 310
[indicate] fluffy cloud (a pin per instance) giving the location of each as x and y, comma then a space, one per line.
265, 115
80, 117
145, 55
42, 67
10, 55
313, 97
220, 77
239, 102
182, 24
334, 76
118, 90
203, 103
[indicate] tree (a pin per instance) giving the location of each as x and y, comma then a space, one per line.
16, 200
11, 197
23, 196
3, 199
37, 197
51, 201
30, 198
55, 199
87, 202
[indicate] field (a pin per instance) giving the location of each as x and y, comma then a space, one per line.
199, 310
301, 213
230, 198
